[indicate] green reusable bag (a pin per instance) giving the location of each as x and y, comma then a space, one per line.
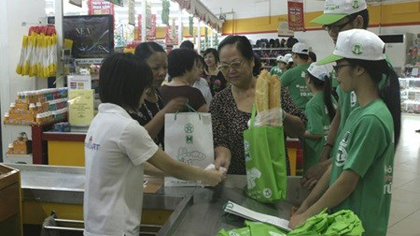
235, 232
259, 228
265, 161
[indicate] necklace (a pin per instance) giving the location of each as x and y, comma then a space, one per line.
156, 104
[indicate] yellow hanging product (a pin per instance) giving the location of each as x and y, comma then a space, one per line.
52, 65
19, 67
28, 54
45, 56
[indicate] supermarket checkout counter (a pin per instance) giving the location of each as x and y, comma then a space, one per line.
170, 211
67, 149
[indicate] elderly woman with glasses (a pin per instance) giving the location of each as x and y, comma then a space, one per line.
231, 108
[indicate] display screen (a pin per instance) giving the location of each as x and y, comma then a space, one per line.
93, 36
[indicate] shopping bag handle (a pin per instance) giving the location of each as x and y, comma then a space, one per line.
254, 111
189, 108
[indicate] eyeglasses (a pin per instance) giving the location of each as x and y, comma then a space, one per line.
337, 67
337, 28
234, 65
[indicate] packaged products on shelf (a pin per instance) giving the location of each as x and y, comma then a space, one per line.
35, 107
21, 146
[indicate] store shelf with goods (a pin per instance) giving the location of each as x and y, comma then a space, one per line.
88, 61
410, 95
268, 56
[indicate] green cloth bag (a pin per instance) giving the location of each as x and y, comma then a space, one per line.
344, 222
265, 162
259, 228
235, 232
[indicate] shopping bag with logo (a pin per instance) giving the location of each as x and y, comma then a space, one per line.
265, 161
189, 138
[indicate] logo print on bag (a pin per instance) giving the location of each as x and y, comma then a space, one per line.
267, 193
247, 152
275, 234
189, 129
357, 49
251, 176
189, 156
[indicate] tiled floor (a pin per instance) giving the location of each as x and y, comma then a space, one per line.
405, 207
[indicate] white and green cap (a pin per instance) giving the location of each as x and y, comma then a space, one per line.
335, 10
319, 72
301, 48
357, 44
284, 58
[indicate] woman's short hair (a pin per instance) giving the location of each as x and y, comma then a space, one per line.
180, 61
212, 51
145, 50
244, 47
187, 44
123, 79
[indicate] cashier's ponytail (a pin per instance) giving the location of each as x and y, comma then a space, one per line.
325, 85
382, 73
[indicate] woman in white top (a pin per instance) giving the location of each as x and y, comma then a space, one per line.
117, 149
201, 83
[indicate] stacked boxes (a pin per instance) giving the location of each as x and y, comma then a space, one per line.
38, 107
20, 146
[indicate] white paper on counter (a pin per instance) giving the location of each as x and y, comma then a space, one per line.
246, 213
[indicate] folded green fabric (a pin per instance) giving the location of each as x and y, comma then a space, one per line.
313, 226
344, 222
235, 232
259, 228
253, 229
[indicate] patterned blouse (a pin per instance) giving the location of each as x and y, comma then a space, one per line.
229, 123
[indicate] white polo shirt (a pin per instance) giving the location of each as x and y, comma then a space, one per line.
203, 86
115, 148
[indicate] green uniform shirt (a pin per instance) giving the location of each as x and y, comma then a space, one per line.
334, 82
294, 79
348, 101
367, 148
318, 123
276, 71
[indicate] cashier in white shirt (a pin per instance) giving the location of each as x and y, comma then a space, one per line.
118, 150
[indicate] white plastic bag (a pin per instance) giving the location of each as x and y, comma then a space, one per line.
189, 138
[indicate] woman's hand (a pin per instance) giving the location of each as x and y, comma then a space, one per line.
223, 157
213, 177
297, 220
176, 104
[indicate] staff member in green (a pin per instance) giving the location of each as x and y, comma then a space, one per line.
320, 111
279, 68
339, 16
294, 79
360, 178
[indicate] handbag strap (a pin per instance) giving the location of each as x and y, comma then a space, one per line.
254, 111
190, 108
